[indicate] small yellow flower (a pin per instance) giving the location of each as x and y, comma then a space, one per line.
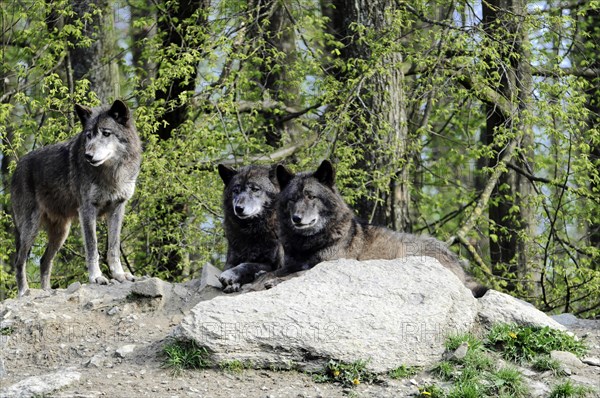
425, 393
512, 335
336, 373
356, 382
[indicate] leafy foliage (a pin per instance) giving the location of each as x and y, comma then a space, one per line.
521, 344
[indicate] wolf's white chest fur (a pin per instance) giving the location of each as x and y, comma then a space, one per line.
100, 193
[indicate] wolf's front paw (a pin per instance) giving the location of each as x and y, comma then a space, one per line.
235, 287
229, 280
101, 280
122, 277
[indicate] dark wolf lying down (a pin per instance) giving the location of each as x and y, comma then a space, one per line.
317, 225
250, 224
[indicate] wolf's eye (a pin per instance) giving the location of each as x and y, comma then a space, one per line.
106, 133
236, 189
309, 195
254, 188
88, 135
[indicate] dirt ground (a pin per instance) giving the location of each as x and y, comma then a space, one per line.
113, 340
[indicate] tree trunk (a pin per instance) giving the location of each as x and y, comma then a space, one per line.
380, 127
591, 27
510, 213
96, 62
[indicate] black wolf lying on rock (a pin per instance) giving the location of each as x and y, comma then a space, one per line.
250, 224
317, 225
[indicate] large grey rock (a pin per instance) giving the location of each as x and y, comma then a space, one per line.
38, 386
152, 287
210, 277
496, 307
388, 312
569, 362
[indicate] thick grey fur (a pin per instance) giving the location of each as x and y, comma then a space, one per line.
250, 223
317, 225
91, 175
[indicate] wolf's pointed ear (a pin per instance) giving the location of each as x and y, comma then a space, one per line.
226, 173
325, 174
120, 112
273, 176
284, 176
83, 112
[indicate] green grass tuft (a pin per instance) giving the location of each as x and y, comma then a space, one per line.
454, 341
522, 344
185, 354
467, 390
235, 366
444, 370
508, 382
544, 363
570, 390
431, 391
403, 372
347, 374
7, 331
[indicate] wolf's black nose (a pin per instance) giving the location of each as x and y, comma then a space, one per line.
296, 219
89, 157
239, 210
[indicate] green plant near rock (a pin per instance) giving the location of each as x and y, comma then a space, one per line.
444, 370
544, 363
432, 391
568, 389
403, 371
522, 344
455, 340
508, 382
7, 331
347, 374
235, 366
467, 390
182, 354
475, 374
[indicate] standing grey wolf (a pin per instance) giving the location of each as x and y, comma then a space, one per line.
250, 224
317, 225
90, 175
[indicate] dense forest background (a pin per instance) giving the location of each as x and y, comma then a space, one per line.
475, 122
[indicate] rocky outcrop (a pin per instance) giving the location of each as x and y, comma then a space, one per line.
387, 312
496, 307
391, 313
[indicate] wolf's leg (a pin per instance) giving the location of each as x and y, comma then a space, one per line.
115, 221
233, 278
57, 234
26, 231
87, 217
